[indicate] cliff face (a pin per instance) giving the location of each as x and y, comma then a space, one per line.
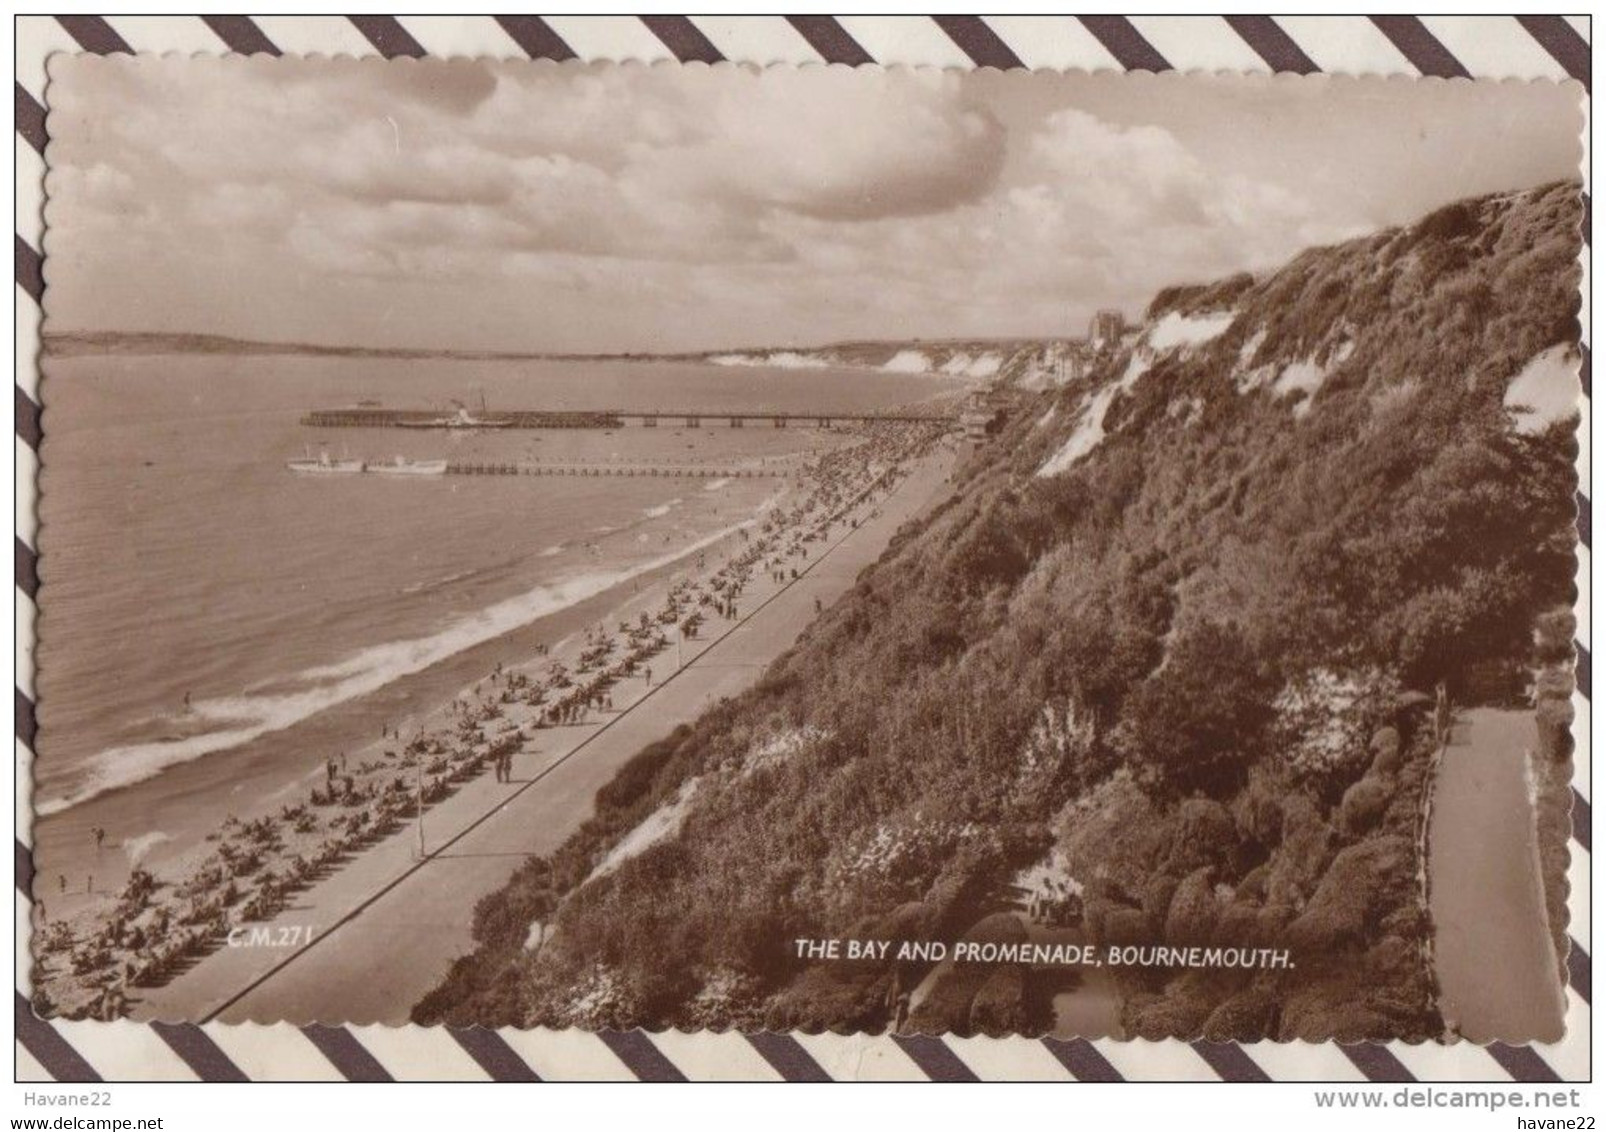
983, 360
1159, 649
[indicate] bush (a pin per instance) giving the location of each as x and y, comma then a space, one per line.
1385, 752
1364, 804
999, 1008
1247, 1016
1205, 835
1191, 920
1302, 858
1241, 924
1157, 897
1349, 899
1199, 723
824, 999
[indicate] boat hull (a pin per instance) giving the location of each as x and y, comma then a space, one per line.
319, 468
421, 468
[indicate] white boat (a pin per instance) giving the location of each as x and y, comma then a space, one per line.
402, 467
323, 465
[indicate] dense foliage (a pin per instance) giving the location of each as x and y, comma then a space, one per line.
1178, 665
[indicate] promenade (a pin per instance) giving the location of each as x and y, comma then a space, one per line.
369, 941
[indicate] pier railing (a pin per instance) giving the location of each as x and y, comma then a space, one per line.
602, 418
659, 471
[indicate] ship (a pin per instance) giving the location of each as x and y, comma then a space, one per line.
401, 467
461, 419
324, 465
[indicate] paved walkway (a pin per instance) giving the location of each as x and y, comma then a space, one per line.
385, 929
1497, 970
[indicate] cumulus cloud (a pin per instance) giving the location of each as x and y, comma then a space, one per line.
658, 207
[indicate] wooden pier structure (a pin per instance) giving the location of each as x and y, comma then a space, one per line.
366, 417
659, 471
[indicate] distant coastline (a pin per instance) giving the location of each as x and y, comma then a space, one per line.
889, 354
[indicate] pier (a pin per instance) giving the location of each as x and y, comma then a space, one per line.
365, 417
660, 471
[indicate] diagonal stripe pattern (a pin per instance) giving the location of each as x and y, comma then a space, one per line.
636, 1054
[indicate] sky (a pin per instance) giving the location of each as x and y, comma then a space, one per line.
537, 206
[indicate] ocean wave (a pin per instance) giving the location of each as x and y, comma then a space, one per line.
436, 583
244, 718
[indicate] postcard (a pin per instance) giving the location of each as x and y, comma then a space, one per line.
872, 550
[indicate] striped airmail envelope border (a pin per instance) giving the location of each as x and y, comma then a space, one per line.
1523, 47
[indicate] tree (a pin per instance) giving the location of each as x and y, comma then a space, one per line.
1199, 722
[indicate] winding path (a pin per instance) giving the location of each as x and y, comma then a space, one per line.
1497, 971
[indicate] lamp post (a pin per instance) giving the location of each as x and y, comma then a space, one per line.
420, 809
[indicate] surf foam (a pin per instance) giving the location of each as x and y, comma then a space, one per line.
243, 719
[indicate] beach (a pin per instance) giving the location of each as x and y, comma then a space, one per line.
239, 850
212, 616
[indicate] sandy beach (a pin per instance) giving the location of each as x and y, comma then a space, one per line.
250, 844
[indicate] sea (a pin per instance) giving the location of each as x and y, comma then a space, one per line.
202, 603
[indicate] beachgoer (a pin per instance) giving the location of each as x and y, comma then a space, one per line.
100, 838
61, 881
818, 605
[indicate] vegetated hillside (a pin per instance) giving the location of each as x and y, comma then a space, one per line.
74, 343
1167, 645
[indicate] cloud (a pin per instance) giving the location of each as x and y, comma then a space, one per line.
909, 147
638, 207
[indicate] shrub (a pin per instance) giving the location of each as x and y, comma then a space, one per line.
999, 1008
1349, 899
1191, 920
1323, 718
1172, 1015
1364, 804
824, 999
1205, 835
1247, 1016
1385, 748
1157, 896
1199, 722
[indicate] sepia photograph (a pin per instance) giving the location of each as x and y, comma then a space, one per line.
864, 550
